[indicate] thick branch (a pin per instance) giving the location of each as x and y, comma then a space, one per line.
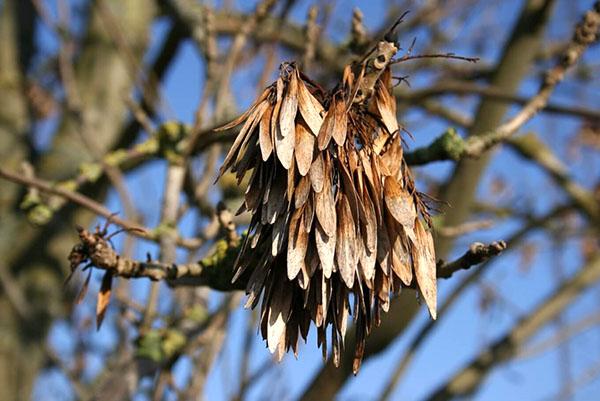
217, 269
214, 271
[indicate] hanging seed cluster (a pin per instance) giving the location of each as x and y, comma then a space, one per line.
337, 224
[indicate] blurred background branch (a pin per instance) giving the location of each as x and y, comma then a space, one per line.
108, 106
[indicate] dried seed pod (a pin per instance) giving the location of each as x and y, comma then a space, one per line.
334, 207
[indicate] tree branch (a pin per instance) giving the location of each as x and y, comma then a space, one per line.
92, 205
531, 147
468, 380
420, 337
450, 146
490, 92
477, 253
217, 269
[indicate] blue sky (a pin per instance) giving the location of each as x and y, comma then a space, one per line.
465, 329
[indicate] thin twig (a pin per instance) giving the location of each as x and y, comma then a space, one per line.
312, 36
451, 56
585, 34
140, 115
92, 205
490, 92
465, 228
239, 41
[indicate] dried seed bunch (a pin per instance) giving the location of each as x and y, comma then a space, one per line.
334, 208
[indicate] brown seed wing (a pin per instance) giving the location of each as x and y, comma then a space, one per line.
103, 298
349, 190
345, 249
386, 106
423, 255
325, 208
247, 113
297, 245
317, 173
291, 182
326, 131
367, 260
401, 258
399, 203
374, 184
284, 147
370, 222
246, 159
243, 137
276, 198
305, 146
340, 122
309, 214
310, 108
264, 134
392, 158
301, 192
383, 249
253, 194
279, 308
325, 250
382, 288
279, 234
312, 260
289, 108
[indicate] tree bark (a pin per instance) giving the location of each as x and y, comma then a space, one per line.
37, 266
17, 372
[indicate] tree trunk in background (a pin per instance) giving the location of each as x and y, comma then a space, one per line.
19, 365
515, 62
103, 77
